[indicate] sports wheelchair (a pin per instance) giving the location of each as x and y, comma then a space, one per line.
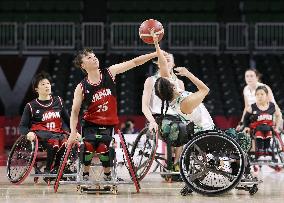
212, 162
26, 155
75, 153
274, 150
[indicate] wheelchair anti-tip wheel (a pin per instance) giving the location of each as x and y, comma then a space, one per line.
212, 163
21, 159
143, 152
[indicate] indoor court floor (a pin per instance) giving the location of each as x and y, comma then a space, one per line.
154, 189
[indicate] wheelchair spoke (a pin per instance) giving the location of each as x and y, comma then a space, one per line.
195, 176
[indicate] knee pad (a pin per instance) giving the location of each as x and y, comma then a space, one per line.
85, 155
105, 159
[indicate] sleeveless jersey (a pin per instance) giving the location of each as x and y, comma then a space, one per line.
156, 102
262, 117
46, 117
199, 116
99, 102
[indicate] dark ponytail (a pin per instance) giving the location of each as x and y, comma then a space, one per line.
164, 89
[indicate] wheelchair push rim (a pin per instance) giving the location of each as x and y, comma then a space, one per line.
130, 165
20, 161
212, 163
144, 157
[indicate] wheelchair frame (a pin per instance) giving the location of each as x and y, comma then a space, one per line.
244, 181
100, 186
277, 144
27, 154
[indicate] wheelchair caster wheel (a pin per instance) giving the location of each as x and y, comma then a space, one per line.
185, 191
253, 190
168, 179
36, 180
114, 190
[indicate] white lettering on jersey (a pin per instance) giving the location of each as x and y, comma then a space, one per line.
50, 115
100, 94
264, 117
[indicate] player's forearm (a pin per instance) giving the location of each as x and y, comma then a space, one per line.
147, 113
144, 58
74, 121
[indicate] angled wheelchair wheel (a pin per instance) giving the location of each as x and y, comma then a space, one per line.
277, 150
21, 159
143, 152
212, 163
68, 164
129, 162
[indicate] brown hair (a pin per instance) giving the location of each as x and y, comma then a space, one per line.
78, 58
258, 74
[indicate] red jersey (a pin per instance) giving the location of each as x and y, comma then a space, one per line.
100, 100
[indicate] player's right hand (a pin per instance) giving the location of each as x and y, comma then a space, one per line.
154, 35
31, 136
72, 138
153, 126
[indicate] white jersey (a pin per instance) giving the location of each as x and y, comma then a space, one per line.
200, 116
156, 102
250, 94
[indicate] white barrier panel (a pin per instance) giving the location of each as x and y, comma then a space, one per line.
49, 36
237, 36
193, 36
269, 36
93, 35
126, 36
8, 35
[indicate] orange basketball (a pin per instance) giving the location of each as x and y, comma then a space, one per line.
146, 26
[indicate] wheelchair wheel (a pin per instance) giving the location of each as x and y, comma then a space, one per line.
21, 159
276, 147
67, 164
129, 164
212, 163
143, 152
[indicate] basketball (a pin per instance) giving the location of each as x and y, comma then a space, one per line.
145, 28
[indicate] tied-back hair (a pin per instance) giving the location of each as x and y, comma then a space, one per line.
262, 87
164, 89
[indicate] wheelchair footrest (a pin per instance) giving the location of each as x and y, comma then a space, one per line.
48, 175
97, 189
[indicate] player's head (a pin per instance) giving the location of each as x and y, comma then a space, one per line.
86, 60
252, 76
42, 84
164, 89
261, 94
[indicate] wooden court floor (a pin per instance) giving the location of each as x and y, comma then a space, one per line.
154, 189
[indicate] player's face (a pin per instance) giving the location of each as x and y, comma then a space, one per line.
44, 87
251, 78
170, 60
90, 61
261, 96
